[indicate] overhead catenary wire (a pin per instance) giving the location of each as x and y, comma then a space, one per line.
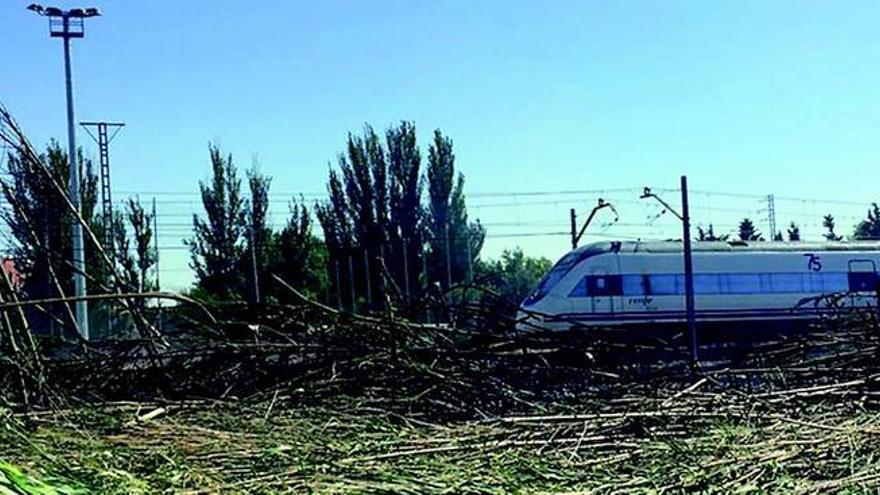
537, 219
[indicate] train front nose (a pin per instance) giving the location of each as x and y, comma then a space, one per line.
528, 320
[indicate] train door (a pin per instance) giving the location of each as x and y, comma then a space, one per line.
603, 288
862, 279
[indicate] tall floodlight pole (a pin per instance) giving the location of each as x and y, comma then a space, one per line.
67, 24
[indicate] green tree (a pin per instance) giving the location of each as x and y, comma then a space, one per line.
259, 236
236, 238
514, 275
136, 262
828, 223
217, 245
299, 257
709, 234
406, 236
355, 221
375, 212
454, 244
794, 232
870, 227
748, 232
39, 223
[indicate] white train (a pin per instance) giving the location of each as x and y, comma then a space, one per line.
629, 283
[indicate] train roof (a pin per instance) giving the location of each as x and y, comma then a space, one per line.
725, 246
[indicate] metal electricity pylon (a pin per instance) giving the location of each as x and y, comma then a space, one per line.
103, 138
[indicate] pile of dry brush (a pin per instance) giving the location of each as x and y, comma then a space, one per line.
302, 397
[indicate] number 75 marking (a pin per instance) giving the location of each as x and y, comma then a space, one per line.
813, 262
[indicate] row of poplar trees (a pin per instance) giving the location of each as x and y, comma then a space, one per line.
395, 225
235, 252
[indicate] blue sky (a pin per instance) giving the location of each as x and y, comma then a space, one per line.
749, 97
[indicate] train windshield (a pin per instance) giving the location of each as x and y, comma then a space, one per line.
553, 276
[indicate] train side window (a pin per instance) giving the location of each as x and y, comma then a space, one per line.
635, 285
862, 281
836, 282
604, 285
707, 283
743, 283
580, 289
666, 284
786, 283
827, 282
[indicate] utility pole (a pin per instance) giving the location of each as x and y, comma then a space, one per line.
255, 271
67, 24
156, 249
574, 228
156, 244
684, 216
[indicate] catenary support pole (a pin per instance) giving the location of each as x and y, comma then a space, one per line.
688, 271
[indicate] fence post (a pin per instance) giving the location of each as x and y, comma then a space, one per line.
255, 272
427, 284
470, 257
448, 257
405, 269
338, 286
367, 277
351, 282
